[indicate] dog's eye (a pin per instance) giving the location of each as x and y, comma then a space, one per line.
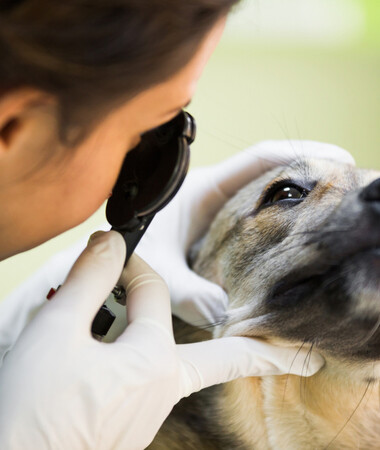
287, 193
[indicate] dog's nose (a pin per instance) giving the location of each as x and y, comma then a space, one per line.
371, 194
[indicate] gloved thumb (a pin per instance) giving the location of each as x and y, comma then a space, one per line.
201, 302
221, 360
92, 277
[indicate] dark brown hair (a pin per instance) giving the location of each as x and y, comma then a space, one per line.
93, 53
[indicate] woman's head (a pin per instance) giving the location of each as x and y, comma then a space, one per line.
93, 54
102, 71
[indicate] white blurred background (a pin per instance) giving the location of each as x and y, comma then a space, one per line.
299, 22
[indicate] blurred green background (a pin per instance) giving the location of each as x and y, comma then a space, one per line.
300, 69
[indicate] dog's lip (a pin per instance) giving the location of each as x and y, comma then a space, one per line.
313, 272
300, 277
291, 282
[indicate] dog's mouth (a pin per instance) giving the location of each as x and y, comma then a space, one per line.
302, 281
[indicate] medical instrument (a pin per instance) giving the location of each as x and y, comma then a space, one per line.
150, 177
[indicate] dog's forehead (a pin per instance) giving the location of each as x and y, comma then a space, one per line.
330, 178
345, 177
310, 171
323, 171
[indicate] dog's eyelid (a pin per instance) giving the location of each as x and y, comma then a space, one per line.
303, 186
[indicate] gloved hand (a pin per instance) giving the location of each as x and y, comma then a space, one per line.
61, 389
205, 190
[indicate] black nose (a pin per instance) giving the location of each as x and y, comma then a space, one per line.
371, 194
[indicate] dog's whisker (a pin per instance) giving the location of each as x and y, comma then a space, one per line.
212, 325
318, 232
222, 139
216, 131
309, 355
350, 417
281, 251
303, 379
288, 374
371, 333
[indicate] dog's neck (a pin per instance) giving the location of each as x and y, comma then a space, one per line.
332, 409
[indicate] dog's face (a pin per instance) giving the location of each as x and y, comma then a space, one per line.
298, 252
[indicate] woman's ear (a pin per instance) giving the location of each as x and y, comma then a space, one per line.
14, 108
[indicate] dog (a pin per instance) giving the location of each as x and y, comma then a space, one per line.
298, 252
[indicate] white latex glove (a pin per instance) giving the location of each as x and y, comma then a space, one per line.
181, 223
61, 389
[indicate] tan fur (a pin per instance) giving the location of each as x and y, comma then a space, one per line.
339, 407
291, 413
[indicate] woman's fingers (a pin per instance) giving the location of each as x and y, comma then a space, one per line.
91, 279
148, 297
225, 359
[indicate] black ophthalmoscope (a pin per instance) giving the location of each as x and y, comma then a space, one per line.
150, 177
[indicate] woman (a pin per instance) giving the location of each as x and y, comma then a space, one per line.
80, 82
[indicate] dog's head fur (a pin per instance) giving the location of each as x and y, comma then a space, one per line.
298, 252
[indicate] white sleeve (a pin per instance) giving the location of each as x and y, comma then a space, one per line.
18, 308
